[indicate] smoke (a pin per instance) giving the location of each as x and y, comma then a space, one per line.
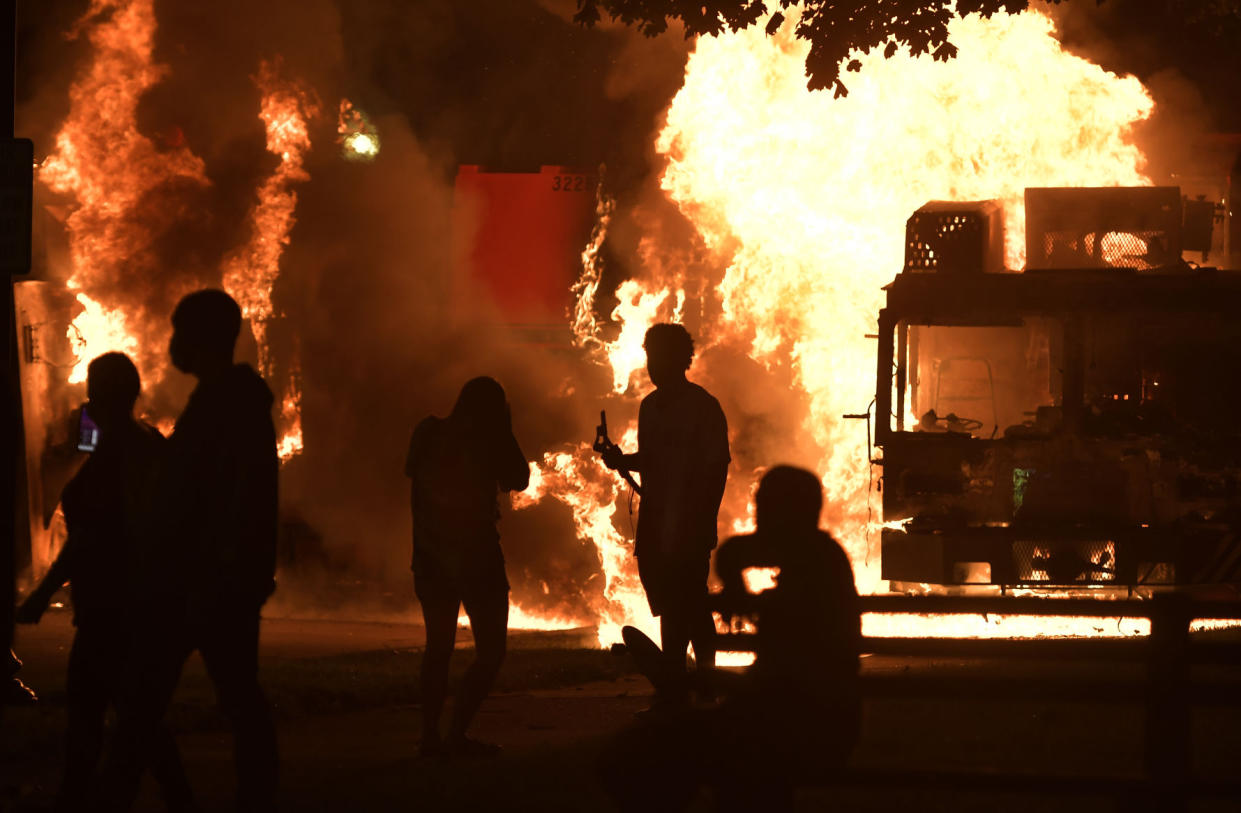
386, 327
1186, 57
370, 293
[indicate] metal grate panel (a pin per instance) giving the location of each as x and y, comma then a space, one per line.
951, 237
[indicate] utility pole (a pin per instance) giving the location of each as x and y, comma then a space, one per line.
15, 260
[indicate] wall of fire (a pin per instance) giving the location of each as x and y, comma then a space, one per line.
523, 232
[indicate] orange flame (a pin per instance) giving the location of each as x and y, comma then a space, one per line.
251, 272
811, 193
94, 331
579, 479
111, 171
804, 198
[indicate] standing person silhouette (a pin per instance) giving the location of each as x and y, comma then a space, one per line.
106, 505
209, 564
457, 467
683, 459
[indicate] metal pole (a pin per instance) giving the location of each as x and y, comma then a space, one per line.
1169, 745
12, 405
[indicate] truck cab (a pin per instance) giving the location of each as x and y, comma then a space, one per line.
1071, 425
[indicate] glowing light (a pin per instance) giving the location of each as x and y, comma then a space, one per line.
520, 619
898, 625
362, 144
758, 579
358, 138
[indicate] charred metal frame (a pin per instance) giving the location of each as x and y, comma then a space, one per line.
929, 549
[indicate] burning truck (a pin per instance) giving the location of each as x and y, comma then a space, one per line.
1069, 426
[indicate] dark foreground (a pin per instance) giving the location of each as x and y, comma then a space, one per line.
345, 696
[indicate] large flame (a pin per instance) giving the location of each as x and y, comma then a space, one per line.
250, 273
811, 193
125, 186
113, 172
804, 198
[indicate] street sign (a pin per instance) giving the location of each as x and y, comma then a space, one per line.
16, 202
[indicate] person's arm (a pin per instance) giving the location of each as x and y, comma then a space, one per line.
513, 470
615, 459
253, 504
32, 609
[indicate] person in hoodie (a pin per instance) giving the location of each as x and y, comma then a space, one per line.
105, 506
457, 467
209, 564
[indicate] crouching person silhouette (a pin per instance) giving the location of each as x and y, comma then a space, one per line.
457, 467
106, 505
208, 563
795, 714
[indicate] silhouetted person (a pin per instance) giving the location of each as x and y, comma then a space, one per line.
105, 505
683, 459
795, 713
457, 466
209, 561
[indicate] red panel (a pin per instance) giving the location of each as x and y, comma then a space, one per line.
528, 230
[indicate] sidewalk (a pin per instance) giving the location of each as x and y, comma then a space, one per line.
345, 698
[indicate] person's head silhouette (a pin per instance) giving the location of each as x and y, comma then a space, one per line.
669, 351
112, 387
789, 499
482, 403
205, 326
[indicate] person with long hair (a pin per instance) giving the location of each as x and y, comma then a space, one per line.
457, 466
